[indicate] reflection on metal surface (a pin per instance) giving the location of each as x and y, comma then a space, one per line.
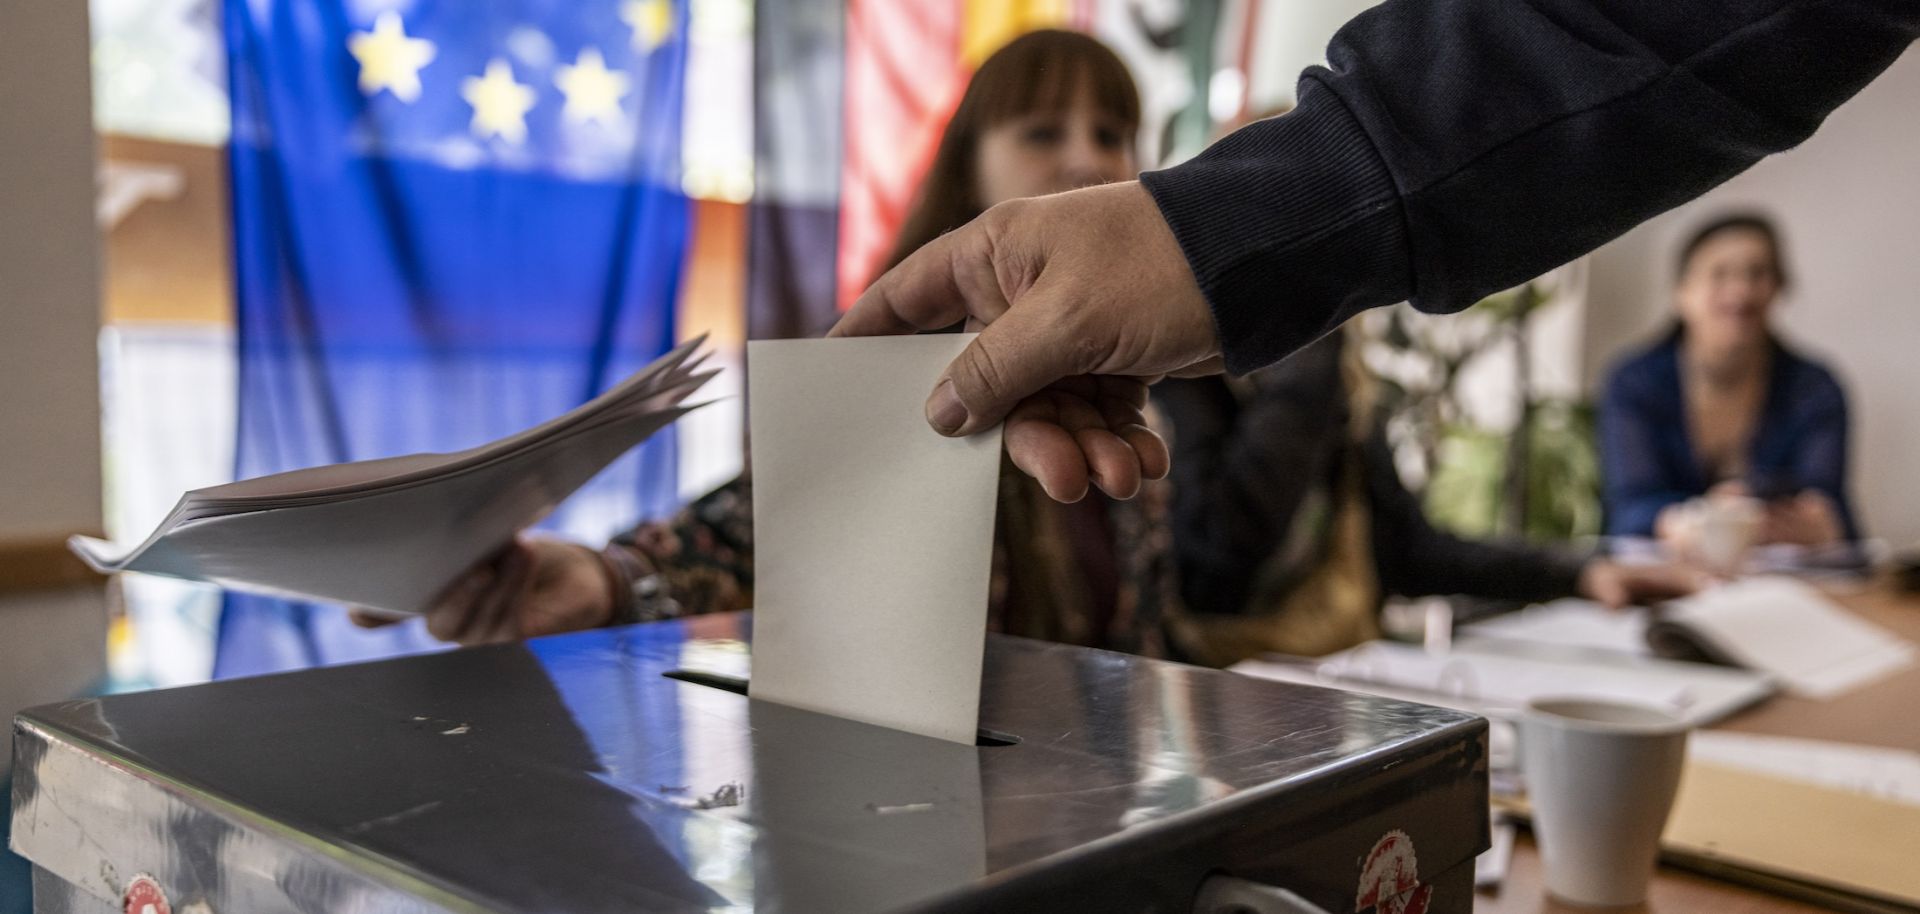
1233, 895
739, 686
822, 784
569, 774
52, 895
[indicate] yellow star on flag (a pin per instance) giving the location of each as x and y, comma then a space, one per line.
593, 92
651, 20
500, 105
389, 59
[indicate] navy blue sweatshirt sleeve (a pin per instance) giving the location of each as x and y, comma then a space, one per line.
1641, 426
1820, 445
1452, 149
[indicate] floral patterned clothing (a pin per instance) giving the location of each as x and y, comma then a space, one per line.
1098, 573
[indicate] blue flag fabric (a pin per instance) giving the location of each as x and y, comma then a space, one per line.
453, 219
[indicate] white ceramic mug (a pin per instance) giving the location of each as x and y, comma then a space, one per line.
1729, 526
1601, 776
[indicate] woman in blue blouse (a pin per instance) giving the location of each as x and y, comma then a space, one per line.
1721, 405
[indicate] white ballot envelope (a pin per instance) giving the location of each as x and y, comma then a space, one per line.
873, 534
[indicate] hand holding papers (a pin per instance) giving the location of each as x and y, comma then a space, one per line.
389, 534
873, 535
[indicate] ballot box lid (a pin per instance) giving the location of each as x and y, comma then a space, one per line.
615, 770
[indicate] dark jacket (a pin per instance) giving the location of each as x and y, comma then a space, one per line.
1453, 148
1647, 457
1244, 468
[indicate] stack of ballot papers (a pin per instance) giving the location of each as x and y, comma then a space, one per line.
1774, 625
390, 534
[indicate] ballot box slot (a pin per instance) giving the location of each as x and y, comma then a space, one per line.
738, 685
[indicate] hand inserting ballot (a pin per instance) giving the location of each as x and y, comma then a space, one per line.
1058, 287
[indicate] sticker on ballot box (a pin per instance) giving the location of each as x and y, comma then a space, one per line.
1390, 878
144, 896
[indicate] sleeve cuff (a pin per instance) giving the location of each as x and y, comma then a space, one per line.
1291, 225
1564, 574
639, 592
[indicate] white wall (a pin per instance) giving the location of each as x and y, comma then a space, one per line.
1290, 36
1848, 202
49, 275
52, 647
51, 642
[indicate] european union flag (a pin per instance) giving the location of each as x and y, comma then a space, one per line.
452, 219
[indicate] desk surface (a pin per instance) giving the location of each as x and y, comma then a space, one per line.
1880, 714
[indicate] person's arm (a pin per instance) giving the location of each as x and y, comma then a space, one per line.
1415, 559
1242, 468
698, 561
1820, 461
1450, 150
1635, 483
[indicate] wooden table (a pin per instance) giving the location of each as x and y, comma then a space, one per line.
1880, 714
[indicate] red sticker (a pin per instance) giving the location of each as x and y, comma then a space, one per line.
145, 897
1390, 878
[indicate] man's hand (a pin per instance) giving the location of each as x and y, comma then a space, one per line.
1620, 586
1081, 299
1807, 519
531, 588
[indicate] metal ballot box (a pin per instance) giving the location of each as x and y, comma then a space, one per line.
624, 770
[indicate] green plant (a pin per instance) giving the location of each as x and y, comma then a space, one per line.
1537, 476
1469, 491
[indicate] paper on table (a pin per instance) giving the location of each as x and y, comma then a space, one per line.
1752, 822
1570, 622
1491, 676
1874, 771
1490, 868
1789, 629
873, 535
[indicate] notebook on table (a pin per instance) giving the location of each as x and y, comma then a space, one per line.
1493, 677
1775, 625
